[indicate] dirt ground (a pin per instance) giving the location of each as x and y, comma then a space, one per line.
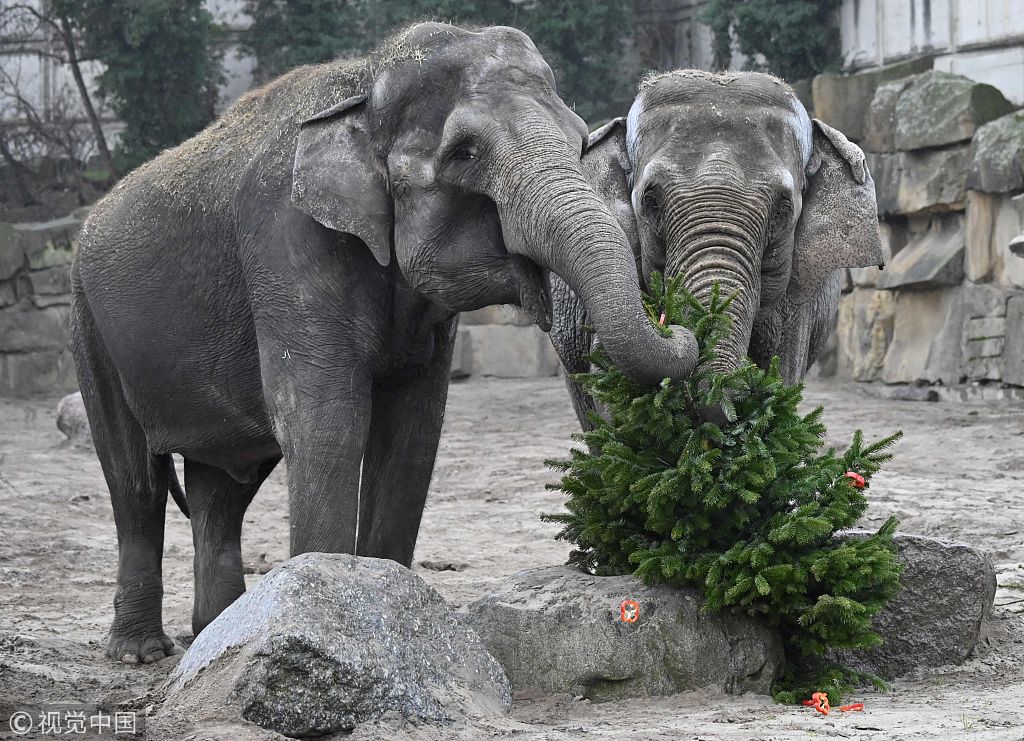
959, 473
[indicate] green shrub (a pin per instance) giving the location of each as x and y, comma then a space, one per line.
744, 511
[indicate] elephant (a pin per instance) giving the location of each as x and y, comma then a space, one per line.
286, 284
724, 178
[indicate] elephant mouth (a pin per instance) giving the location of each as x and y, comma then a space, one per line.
534, 292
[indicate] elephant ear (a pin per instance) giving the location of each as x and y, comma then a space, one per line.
334, 179
606, 165
838, 226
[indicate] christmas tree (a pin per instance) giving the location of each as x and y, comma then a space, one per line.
744, 511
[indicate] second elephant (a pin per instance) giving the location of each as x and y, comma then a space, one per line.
724, 178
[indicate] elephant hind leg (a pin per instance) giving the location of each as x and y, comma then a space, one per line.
138, 484
218, 503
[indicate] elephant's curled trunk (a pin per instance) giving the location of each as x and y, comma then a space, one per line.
713, 245
567, 229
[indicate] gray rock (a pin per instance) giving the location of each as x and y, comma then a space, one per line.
926, 339
997, 155
328, 641
45, 371
1013, 351
843, 100
938, 616
508, 351
939, 108
864, 330
72, 420
48, 244
880, 119
558, 629
24, 328
12, 257
934, 260
462, 355
51, 281
914, 182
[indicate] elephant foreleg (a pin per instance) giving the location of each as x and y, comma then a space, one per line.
404, 434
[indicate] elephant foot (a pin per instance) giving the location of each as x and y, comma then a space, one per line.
140, 649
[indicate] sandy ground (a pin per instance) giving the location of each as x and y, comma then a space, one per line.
959, 473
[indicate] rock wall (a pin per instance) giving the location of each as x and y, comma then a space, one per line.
947, 156
35, 302
35, 299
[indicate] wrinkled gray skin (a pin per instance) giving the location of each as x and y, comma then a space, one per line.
724, 178
286, 284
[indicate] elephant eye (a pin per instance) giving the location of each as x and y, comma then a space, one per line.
652, 205
465, 152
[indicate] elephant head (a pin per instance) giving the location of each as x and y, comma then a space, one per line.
460, 162
728, 180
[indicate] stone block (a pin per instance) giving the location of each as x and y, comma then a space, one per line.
938, 617
326, 642
841, 101
48, 244
984, 328
12, 257
43, 372
939, 108
1013, 348
997, 156
51, 281
512, 352
994, 220
913, 182
926, 338
979, 258
880, 119
7, 293
863, 333
462, 355
511, 315
932, 180
933, 260
23, 328
984, 300
557, 629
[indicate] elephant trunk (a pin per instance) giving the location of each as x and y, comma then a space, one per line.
552, 215
709, 243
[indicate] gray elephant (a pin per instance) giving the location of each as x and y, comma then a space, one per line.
286, 284
724, 178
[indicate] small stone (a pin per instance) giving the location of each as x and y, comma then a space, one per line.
326, 642
570, 637
72, 420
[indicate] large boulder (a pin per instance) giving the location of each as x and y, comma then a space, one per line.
880, 118
938, 616
72, 420
997, 155
557, 629
328, 641
939, 108
842, 101
917, 182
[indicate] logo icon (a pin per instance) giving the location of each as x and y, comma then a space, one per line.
629, 610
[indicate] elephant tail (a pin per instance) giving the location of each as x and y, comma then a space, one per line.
177, 492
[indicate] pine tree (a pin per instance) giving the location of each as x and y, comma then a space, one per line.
745, 511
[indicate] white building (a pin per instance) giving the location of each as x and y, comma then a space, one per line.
982, 39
